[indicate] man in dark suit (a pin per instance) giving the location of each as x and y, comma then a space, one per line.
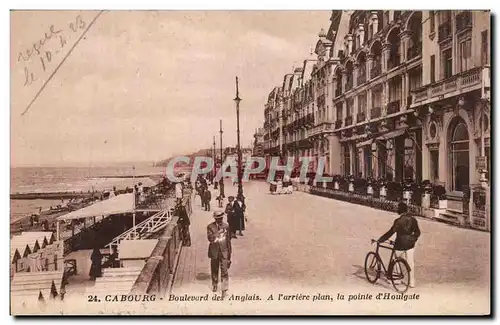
407, 233
219, 251
207, 196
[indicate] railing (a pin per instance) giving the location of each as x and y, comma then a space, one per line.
360, 117
393, 61
375, 112
321, 129
375, 70
348, 120
455, 83
394, 106
362, 77
414, 51
463, 21
444, 31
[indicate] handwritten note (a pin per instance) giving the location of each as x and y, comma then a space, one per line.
39, 57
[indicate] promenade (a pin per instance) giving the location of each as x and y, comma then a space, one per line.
305, 244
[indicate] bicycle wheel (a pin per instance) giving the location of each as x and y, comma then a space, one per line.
372, 267
399, 272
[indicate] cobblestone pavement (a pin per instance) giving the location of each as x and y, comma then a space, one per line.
305, 244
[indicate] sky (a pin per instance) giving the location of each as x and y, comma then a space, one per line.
145, 85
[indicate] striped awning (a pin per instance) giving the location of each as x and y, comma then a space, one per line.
364, 143
391, 135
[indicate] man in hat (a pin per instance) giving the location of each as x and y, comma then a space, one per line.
231, 220
407, 232
219, 251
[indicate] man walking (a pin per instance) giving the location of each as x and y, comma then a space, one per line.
407, 233
183, 222
207, 196
219, 251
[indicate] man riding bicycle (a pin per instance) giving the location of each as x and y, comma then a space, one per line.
407, 233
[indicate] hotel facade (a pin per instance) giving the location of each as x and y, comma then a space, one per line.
391, 95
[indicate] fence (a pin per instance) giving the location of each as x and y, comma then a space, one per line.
159, 270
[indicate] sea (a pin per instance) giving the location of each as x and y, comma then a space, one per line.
68, 179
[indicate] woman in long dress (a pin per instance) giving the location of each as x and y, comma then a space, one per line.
239, 214
96, 267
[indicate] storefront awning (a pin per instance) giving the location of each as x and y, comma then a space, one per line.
364, 143
123, 203
391, 135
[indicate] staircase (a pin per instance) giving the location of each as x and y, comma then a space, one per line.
115, 281
143, 230
453, 216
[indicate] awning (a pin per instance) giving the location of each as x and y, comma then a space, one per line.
392, 134
123, 203
364, 143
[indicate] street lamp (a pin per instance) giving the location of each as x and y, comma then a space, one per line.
221, 185
237, 100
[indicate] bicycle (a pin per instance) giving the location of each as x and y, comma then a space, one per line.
398, 271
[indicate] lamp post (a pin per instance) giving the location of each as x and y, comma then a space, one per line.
221, 185
214, 160
237, 100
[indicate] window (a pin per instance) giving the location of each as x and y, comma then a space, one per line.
368, 161
339, 112
382, 160
432, 18
433, 68
459, 157
434, 165
347, 160
370, 31
362, 103
465, 55
484, 47
447, 62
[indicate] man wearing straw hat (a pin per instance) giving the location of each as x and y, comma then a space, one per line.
219, 251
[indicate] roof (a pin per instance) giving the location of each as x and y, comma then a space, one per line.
136, 249
29, 241
123, 203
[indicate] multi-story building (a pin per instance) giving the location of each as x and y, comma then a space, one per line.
454, 101
392, 95
258, 143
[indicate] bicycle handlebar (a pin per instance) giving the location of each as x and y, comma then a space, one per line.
390, 242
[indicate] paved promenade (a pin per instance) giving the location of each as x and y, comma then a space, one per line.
305, 244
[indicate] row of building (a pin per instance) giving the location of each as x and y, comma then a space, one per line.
392, 95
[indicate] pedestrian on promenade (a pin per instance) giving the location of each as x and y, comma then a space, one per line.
219, 251
239, 214
96, 266
407, 233
183, 222
207, 197
230, 216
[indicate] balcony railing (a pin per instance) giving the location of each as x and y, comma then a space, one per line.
464, 80
361, 77
463, 21
348, 120
444, 31
394, 106
338, 123
393, 61
414, 51
375, 70
360, 117
375, 112
327, 127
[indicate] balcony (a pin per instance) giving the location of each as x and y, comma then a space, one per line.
375, 70
444, 31
414, 51
323, 128
463, 21
394, 107
360, 117
394, 61
338, 123
361, 77
376, 112
348, 120
466, 81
